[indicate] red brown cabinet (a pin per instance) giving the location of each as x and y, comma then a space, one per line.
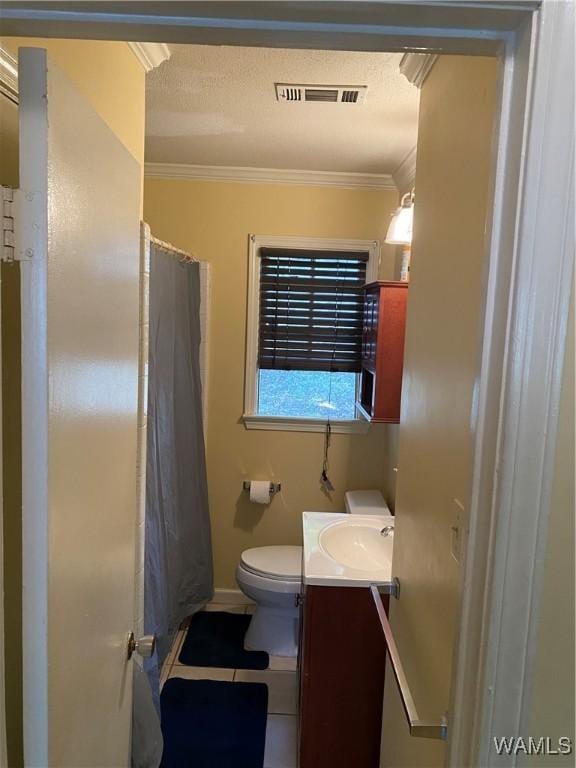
382, 351
341, 671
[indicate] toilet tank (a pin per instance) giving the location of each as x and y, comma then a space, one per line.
365, 503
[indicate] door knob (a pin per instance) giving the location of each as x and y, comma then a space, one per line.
144, 645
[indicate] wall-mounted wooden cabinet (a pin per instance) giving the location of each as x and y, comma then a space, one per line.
382, 351
341, 669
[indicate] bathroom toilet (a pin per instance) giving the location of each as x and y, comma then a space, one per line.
272, 576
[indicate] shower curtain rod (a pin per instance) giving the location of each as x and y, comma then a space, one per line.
180, 255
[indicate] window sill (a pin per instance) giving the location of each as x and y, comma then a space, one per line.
291, 424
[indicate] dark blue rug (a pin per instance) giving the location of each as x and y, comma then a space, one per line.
212, 724
216, 639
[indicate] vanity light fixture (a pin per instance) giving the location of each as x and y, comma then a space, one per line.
400, 228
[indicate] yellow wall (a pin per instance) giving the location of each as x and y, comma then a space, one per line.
108, 74
113, 80
457, 108
553, 695
213, 220
8, 142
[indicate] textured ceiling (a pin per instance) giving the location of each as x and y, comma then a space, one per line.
216, 105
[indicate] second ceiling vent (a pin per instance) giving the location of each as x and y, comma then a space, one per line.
327, 94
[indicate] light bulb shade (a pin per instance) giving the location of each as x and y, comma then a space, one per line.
400, 229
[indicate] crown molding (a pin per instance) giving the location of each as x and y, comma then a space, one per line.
8, 75
416, 67
405, 174
269, 176
150, 55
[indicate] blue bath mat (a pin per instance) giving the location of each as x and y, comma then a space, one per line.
216, 639
212, 724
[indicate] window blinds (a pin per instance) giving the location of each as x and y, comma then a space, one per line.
311, 306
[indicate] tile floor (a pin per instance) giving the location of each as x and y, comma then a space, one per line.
280, 678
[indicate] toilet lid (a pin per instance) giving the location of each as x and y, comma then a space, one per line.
275, 562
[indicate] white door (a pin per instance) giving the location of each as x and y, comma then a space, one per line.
78, 234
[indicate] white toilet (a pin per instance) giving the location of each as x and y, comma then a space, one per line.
272, 576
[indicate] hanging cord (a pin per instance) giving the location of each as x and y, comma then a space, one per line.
324, 479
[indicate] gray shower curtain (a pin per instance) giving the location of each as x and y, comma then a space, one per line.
178, 576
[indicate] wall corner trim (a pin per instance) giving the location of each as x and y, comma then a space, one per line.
417, 66
150, 55
405, 174
269, 176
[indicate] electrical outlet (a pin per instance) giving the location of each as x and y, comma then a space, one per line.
456, 531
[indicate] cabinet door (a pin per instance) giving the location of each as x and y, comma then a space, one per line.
343, 660
390, 352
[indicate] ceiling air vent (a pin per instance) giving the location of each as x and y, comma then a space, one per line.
326, 94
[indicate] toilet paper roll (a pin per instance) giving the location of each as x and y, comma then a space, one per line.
260, 491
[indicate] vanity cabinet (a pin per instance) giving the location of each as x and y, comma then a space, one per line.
341, 671
382, 351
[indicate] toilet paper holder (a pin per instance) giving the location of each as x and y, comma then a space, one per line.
274, 487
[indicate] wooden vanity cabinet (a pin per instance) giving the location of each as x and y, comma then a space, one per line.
382, 351
341, 671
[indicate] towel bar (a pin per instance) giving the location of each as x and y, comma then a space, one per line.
420, 728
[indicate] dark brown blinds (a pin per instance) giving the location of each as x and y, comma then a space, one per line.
311, 309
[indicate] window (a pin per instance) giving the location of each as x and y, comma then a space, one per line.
306, 394
305, 331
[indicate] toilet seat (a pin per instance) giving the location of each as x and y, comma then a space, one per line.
282, 563
246, 578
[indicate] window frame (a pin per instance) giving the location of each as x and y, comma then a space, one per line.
251, 418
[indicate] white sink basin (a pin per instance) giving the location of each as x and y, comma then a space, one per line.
358, 544
343, 550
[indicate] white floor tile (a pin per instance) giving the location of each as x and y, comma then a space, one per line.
281, 738
201, 673
283, 663
282, 688
224, 608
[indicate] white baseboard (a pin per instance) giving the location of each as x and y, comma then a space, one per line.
231, 597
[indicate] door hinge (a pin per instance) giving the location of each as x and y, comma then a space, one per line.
10, 249
8, 236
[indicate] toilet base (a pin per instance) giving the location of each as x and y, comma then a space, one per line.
274, 630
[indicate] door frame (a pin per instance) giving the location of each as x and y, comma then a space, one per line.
530, 244
3, 744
